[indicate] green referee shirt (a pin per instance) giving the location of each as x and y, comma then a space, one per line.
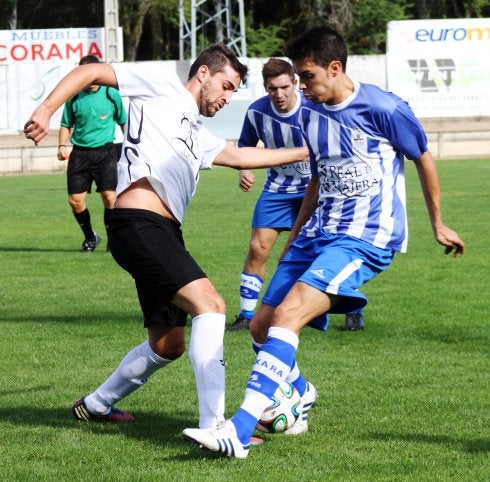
93, 116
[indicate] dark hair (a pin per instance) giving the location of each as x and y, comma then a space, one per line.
321, 45
275, 67
89, 59
216, 58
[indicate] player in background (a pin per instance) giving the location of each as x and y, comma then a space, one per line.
351, 223
91, 117
273, 120
164, 147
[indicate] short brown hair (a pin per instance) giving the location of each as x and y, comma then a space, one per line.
216, 58
275, 67
89, 59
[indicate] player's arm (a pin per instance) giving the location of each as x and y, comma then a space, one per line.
248, 138
429, 181
63, 137
255, 157
308, 206
78, 79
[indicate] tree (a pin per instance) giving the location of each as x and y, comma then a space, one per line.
367, 34
151, 27
132, 14
8, 14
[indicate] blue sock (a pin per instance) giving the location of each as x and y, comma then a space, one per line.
243, 421
300, 384
272, 366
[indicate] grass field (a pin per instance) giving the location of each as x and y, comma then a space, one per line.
407, 399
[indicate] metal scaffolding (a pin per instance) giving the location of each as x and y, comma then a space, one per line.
223, 18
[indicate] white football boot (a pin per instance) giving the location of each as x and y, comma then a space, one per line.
223, 440
307, 401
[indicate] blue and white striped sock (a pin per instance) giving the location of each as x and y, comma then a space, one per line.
294, 377
250, 287
271, 367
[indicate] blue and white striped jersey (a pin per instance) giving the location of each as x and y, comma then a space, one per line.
264, 123
357, 150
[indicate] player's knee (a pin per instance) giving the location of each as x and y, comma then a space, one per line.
258, 252
219, 305
171, 352
283, 317
167, 347
108, 199
215, 304
76, 205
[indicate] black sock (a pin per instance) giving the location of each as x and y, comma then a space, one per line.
83, 219
106, 212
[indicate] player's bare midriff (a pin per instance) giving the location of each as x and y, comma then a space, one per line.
140, 195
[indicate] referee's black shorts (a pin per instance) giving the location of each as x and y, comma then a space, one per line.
151, 249
88, 165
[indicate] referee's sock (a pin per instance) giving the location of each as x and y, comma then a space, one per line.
83, 219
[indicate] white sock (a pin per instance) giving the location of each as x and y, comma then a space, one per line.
133, 371
206, 356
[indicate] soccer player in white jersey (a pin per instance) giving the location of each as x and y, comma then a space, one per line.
273, 120
165, 145
351, 224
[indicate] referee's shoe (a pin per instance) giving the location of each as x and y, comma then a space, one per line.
89, 245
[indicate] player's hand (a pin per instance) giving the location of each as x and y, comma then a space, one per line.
451, 240
62, 153
246, 180
37, 126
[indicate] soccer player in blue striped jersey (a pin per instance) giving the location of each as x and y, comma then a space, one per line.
352, 222
273, 120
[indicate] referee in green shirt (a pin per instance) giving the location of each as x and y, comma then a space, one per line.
89, 122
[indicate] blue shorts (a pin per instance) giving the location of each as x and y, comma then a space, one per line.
333, 263
277, 211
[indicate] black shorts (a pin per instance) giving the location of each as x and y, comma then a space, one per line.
88, 165
151, 249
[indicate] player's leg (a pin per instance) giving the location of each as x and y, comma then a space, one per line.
253, 275
108, 199
272, 365
151, 249
331, 283
79, 184
259, 328
273, 214
207, 309
165, 344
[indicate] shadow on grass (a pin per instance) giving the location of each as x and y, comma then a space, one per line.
470, 446
32, 249
86, 319
154, 427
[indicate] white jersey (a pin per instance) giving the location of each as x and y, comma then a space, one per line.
165, 140
276, 130
357, 150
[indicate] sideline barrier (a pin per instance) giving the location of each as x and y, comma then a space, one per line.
448, 139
